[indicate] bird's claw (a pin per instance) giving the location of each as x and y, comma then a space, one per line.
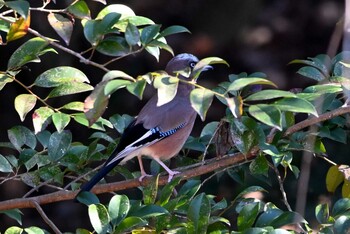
143, 176
171, 175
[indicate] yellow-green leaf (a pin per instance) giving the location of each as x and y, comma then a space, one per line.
63, 26
201, 100
166, 88
23, 104
334, 178
243, 82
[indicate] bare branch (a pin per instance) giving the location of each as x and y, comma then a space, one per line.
45, 218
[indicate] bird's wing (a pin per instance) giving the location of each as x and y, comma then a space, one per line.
135, 137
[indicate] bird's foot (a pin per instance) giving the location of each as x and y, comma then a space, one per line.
171, 175
143, 175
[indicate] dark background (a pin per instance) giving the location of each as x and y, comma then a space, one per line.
251, 35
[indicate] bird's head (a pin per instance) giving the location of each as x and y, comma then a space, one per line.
182, 66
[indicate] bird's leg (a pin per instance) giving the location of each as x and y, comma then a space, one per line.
143, 173
170, 172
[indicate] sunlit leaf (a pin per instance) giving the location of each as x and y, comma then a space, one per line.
77, 106
63, 26
124, 10
24, 103
18, 29
41, 118
129, 223
99, 218
269, 94
202, 65
201, 100
118, 208
240, 83
60, 120
166, 89
297, 105
137, 88
28, 52
235, 105
267, 114
333, 178
69, 88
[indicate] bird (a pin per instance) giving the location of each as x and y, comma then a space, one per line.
158, 131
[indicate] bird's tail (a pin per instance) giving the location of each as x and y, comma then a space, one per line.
97, 177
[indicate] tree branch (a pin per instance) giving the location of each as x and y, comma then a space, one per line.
201, 169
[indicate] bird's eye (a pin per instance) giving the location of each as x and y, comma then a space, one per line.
192, 64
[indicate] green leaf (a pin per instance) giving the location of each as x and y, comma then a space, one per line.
57, 76
77, 106
20, 6
161, 45
259, 166
60, 120
120, 122
150, 192
80, 10
31, 179
35, 230
24, 103
128, 223
201, 100
341, 207
4, 79
137, 88
149, 33
269, 94
190, 188
288, 217
297, 105
114, 85
333, 178
199, 213
98, 125
118, 208
154, 51
62, 25
235, 104
342, 224
322, 213
5, 166
113, 46
241, 83
59, 144
267, 114
96, 103
132, 34
247, 216
167, 191
15, 214
14, 230
149, 211
20, 135
87, 198
323, 89
124, 10
250, 189
173, 30
99, 218
26, 53
69, 88
166, 89
311, 72
41, 118
203, 65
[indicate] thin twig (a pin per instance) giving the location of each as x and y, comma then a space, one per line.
45, 218
280, 182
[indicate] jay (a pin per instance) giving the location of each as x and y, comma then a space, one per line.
158, 132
